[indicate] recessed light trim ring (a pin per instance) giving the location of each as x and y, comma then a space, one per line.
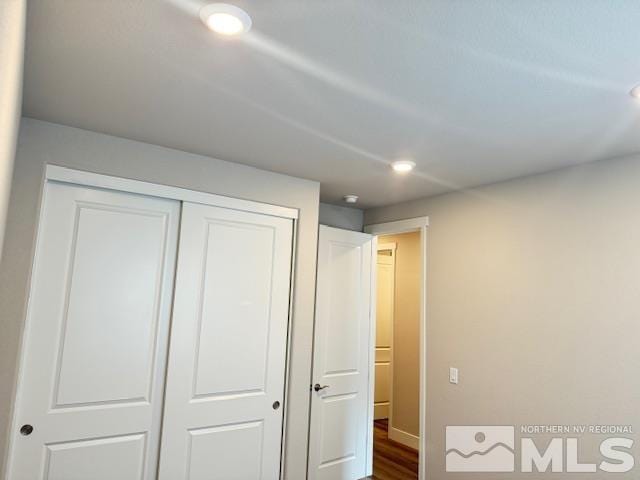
403, 166
225, 19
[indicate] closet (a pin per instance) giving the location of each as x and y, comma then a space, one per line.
156, 339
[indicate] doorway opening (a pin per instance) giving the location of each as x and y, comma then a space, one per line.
398, 366
342, 430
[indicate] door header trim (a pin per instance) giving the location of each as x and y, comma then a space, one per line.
399, 226
90, 179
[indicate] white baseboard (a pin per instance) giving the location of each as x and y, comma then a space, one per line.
380, 410
406, 439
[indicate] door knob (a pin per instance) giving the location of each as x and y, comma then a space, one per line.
276, 405
26, 430
317, 387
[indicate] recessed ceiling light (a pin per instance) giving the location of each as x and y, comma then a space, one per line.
403, 166
225, 19
635, 92
350, 198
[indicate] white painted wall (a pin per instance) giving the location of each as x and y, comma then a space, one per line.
12, 28
533, 293
41, 143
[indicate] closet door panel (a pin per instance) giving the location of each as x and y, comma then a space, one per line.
236, 293
231, 444
94, 459
228, 346
92, 373
111, 307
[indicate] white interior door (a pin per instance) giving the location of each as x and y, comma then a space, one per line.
91, 382
228, 347
385, 288
340, 396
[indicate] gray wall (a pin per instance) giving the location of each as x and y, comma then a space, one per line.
12, 27
533, 292
341, 217
41, 143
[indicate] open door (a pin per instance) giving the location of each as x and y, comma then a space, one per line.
341, 409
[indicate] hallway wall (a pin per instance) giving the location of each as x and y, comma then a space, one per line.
533, 293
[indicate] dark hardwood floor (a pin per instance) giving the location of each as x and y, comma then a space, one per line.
391, 460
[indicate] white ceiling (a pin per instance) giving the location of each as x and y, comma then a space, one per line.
474, 91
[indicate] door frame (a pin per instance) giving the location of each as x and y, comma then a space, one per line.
417, 224
56, 173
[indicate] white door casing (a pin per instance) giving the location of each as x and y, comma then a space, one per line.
418, 224
340, 413
94, 351
228, 347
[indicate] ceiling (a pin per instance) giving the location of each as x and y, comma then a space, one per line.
474, 91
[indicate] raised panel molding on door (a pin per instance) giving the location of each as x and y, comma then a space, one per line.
228, 348
340, 405
94, 354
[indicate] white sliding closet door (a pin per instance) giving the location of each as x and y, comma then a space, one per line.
228, 347
91, 382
